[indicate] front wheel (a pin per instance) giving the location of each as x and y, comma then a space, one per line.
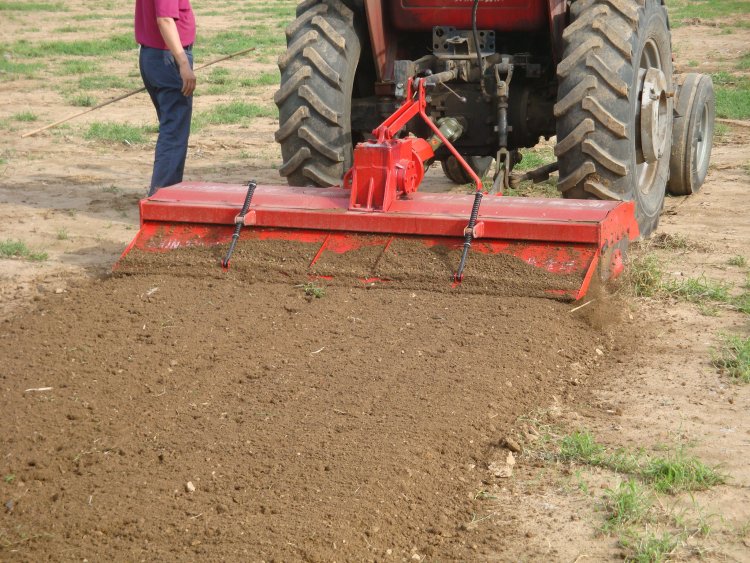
692, 137
458, 174
614, 110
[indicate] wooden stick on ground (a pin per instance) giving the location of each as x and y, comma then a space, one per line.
123, 96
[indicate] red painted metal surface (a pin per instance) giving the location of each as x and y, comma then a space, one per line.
382, 40
563, 237
505, 16
387, 168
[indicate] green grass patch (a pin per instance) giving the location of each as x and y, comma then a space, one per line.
680, 472
69, 29
733, 357
62, 234
102, 82
314, 291
672, 474
78, 66
10, 248
83, 101
732, 96
697, 289
582, 448
645, 275
25, 116
646, 278
232, 113
741, 303
739, 261
261, 37
263, 79
535, 158
32, 7
88, 48
13, 70
649, 548
681, 11
628, 504
116, 133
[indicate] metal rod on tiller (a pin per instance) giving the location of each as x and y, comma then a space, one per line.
239, 223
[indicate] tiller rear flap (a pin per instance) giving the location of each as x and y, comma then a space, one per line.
378, 228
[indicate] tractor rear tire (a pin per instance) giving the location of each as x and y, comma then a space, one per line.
457, 174
608, 48
692, 137
315, 97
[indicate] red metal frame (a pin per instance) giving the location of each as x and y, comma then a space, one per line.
388, 168
566, 237
407, 14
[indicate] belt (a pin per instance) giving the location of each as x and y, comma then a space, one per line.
188, 48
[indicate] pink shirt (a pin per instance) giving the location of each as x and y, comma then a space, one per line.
146, 29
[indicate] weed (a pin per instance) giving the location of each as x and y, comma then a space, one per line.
102, 82
233, 112
62, 234
697, 289
32, 7
582, 447
681, 11
315, 291
741, 303
534, 158
111, 189
650, 548
83, 100
733, 357
78, 66
25, 116
732, 96
263, 79
645, 275
627, 504
669, 241
708, 310
484, 495
680, 472
91, 48
13, 70
9, 478
739, 261
116, 133
18, 249
721, 131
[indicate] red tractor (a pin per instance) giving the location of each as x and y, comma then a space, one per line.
597, 75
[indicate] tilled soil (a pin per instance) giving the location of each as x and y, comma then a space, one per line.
355, 426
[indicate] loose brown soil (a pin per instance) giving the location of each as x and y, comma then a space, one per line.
352, 426
177, 374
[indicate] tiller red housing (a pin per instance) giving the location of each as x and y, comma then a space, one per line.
379, 204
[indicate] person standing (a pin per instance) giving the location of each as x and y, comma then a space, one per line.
165, 30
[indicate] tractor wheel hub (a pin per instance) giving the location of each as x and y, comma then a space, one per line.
654, 115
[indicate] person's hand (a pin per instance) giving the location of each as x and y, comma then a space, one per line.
188, 78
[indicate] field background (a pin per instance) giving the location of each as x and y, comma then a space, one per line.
68, 207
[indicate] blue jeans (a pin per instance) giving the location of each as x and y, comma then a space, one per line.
162, 80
